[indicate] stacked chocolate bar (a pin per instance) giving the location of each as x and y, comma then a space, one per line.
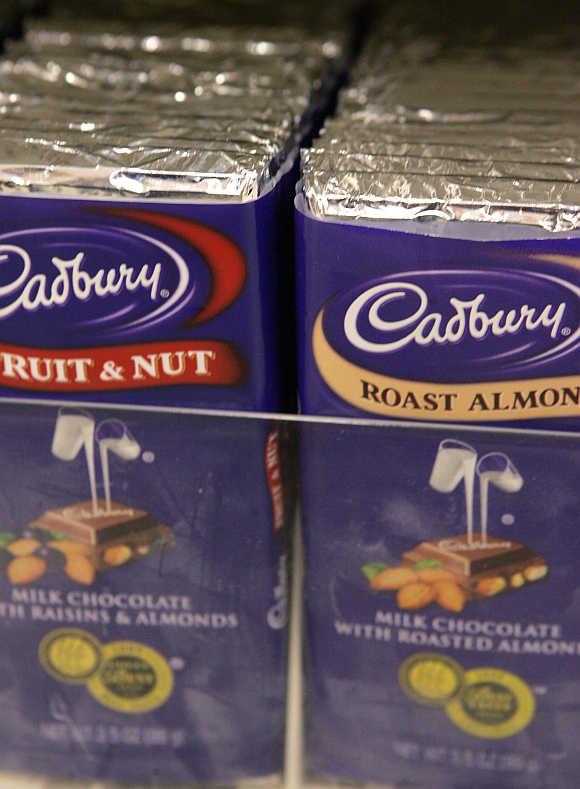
147, 170
473, 133
95, 108
180, 123
456, 150
438, 233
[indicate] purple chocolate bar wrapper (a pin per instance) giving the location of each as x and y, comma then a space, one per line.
191, 637
412, 325
406, 324
165, 303
168, 303
377, 704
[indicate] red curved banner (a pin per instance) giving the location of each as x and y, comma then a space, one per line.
225, 260
138, 366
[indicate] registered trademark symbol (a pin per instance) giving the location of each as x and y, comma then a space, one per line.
566, 331
164, 293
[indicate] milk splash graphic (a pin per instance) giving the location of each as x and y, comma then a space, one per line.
75, 430
456, 461
496, 469
113, 436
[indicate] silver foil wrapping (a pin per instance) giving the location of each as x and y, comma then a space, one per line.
553, 206
112, 73
38, 164
442, 126
45, 34
461, 151
132, 108
483, 167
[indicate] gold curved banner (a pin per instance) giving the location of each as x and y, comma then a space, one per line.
533, 398
561, 260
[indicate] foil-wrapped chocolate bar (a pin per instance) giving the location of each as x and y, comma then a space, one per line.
111, 36
147, 172
550, 205
50, 165
313, 64
483, 167
438, 232
48, 101
98, 126
159, 75
453, 151
281, 96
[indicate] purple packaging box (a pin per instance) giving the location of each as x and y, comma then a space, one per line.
440, 321
432, 660
143, 595
441, 574
163, 303
150, 304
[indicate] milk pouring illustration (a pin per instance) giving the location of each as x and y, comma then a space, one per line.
114, 436
99, 533
75, 430
455, 462
461, 568
496, 469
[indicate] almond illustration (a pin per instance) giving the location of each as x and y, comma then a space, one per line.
70, 547
117, 555
488, 587
517, 580
23, 547
25, 569
450, 595
80, 569
431, 575
415, 595
536, 572
393, 578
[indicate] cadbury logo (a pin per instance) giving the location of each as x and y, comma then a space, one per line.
30, 292
425, 327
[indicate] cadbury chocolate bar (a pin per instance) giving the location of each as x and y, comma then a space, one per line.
142, 596
108, 534
366, 344
113, 36
96, 525
453, 647
205, 170
441, 587
452, 151
482, 567
335, 164
550, 205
